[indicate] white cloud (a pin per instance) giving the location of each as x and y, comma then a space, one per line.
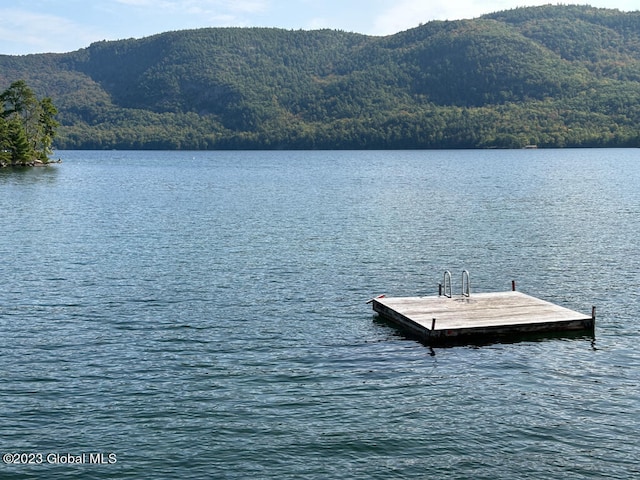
22, 30
405, 14
200, 6
138, 3
319, 23
67, 25
162, 15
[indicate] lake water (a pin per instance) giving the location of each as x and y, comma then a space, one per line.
202, 315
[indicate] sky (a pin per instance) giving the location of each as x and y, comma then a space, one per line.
43, 26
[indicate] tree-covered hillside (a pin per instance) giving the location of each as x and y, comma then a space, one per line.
551, 76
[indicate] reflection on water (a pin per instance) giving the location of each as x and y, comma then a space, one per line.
28, 175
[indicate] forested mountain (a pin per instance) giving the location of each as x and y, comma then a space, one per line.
556, 76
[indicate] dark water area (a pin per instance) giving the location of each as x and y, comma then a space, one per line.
202, 315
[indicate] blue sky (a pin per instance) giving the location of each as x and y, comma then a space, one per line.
38, 26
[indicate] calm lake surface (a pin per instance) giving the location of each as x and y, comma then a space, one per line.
202, 315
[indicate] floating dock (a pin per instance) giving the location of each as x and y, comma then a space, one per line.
479, 316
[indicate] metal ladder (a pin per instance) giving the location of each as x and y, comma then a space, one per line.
445, 287
447, 275
466, 292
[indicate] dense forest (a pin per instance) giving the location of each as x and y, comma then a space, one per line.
551, 76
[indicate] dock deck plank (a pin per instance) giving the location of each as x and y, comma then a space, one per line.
479, 314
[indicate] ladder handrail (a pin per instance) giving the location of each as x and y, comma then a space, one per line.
467, 293
447, 273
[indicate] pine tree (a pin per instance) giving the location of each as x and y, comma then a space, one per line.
21, 151
28, 127
5, 144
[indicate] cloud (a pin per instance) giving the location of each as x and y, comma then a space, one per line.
405, 14
67, 25
319, 23
200, 6
22, 31
153, 16
117, 19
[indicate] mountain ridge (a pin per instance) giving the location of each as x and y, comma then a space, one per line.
555, 76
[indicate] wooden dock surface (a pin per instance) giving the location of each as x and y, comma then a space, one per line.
479, 315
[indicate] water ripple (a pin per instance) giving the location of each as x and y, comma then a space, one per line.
203, 315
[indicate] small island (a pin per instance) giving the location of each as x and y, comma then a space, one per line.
27, 127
